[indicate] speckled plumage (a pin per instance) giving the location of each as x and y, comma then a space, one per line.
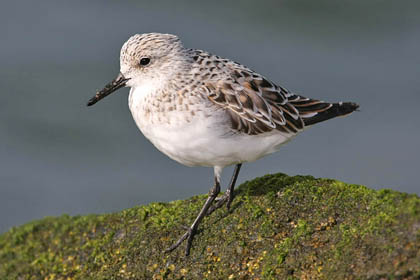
203, 110
224, 106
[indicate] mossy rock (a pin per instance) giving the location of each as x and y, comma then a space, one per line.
279, 227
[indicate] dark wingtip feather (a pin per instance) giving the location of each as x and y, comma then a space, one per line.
336, 110
346, 108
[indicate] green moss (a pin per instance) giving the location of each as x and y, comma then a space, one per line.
279, 227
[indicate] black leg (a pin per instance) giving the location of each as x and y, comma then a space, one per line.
232, 184
189, 235
229, 195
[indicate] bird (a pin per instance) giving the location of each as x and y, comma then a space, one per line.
200, 109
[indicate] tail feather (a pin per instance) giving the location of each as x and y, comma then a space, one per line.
334, 110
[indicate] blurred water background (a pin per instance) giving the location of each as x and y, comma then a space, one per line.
58, 156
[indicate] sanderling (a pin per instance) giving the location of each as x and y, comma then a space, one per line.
203, 110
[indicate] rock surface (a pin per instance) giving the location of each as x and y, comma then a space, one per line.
279, 227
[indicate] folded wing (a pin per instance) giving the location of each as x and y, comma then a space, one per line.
256, 105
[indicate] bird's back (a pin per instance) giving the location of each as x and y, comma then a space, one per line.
254, 104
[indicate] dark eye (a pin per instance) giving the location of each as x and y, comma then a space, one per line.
144, 61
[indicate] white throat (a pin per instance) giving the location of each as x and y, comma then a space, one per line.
141, 92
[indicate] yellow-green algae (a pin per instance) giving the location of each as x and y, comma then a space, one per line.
279, 227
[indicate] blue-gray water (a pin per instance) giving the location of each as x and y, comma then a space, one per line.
58, 156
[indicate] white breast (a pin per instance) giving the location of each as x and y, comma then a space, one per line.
196, 134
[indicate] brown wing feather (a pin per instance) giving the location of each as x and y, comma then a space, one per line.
255, 105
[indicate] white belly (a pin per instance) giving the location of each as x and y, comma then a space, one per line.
202, 139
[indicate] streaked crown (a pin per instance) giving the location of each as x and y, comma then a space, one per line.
151, 56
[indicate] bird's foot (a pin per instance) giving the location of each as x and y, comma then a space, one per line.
189, 235
227, 198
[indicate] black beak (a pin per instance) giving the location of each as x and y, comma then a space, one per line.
115, 84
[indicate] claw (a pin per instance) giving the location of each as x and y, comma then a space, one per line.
189, 235
176, 244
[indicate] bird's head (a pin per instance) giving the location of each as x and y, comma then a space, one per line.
145, 59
